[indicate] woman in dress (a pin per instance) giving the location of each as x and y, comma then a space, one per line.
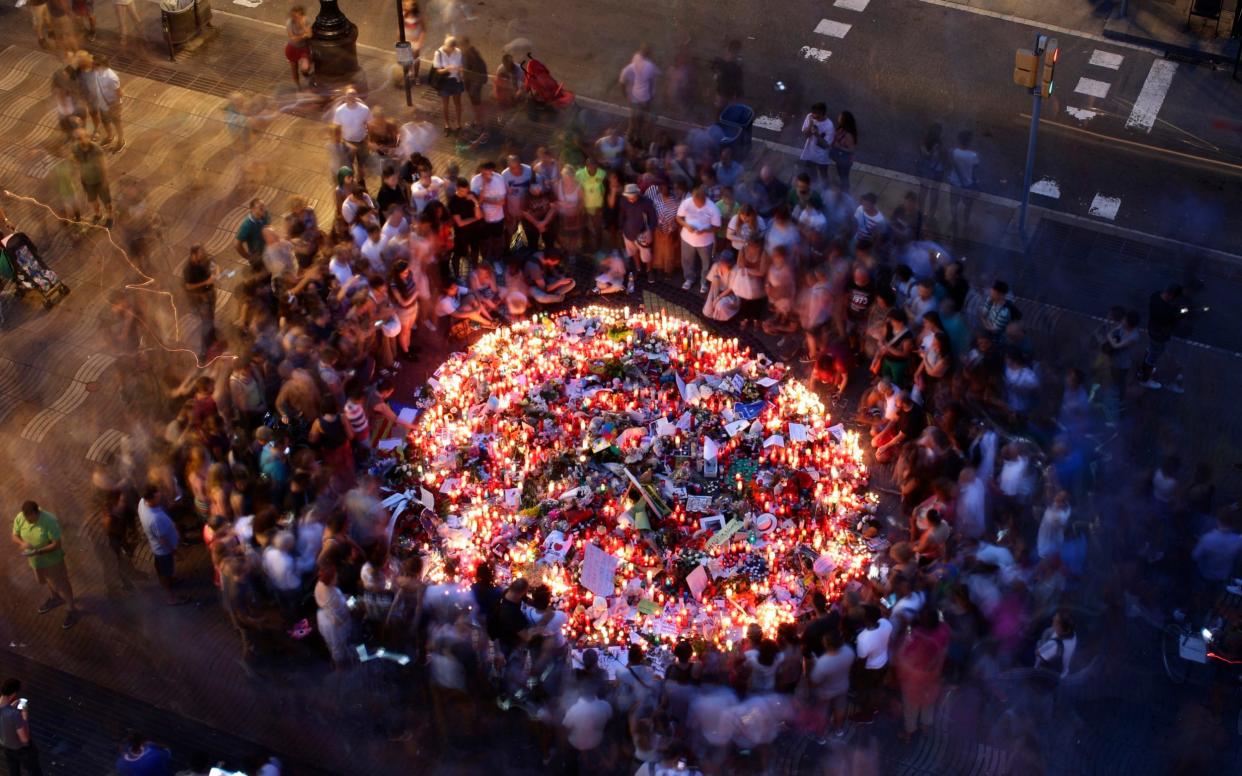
665, 250
333, 618
403, 291
297, 49
570, 216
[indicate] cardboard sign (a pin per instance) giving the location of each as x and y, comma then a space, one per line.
698, 503
647, 606
749, 411
798, 432
724, 535
599, 570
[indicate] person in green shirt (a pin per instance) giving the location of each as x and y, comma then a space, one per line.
93, 175
37, 535
593, 180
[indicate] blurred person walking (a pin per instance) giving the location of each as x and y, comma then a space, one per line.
638, 79
20, 753
963, 168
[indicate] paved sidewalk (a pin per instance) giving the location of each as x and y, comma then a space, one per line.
59, 396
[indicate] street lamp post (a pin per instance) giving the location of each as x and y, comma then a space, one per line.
405, 55
334, 41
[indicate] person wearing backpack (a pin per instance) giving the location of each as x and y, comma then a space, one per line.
1055, 648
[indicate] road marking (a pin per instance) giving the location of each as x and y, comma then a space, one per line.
770, 123
832, 29
1082, 114
852, 5
1046, 187
105, 448
1092, 87
1147, 106
1008, 17
1105, 207
819, 54
1106, 59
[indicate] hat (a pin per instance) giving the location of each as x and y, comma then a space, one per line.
630, 190
342, 173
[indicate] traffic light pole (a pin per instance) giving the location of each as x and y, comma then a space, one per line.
1036, 101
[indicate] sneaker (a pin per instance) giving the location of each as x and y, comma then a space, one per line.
1151, 385
71, 619
704, 287
689, 284
50, 604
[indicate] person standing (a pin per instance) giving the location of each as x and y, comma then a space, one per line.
297, 49
103, 94
727, 72
474, 78
592, 178
699, 219
491, 192
40, 20
199, 281
819, 132
963, 165
352, 116
448, 73
637, 221
93, 175
638, 80
844, 147
249, 242
920, 662
1164, 310
930, 167
162, 537
1119, 346
20, 753
872, 648
126, 18
37, 534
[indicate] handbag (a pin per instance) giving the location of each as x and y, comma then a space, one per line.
434, 74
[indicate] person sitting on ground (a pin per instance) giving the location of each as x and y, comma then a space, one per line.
459, 304
611, 279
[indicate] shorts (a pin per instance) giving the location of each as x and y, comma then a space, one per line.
54, 573
296, 54
450, 87
97, 192
164, 565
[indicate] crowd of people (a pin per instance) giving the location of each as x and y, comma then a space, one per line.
267, 458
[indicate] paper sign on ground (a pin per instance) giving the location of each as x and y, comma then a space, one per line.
797, 432
697, 581
720, 537
598, 571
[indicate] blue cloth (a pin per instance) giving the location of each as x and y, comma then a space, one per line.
152, 761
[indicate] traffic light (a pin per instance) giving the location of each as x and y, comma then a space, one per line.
1051, 53
1025, 65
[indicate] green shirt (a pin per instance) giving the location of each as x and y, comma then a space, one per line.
592, 188
90, 163
250, 234
42, 532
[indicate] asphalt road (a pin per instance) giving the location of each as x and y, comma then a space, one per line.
900, 65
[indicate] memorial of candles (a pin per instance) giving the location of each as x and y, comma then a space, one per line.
661, 481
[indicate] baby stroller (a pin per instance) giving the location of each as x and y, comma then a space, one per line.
20, 263
542, 89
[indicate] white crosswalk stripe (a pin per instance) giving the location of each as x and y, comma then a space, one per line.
853, 5
1105, 207
1147, 106
1106, 59
832, 28
821, 55
1092, 87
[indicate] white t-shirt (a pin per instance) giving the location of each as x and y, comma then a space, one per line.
639, 77
340, 270
585, 723
281, 570
964, 161
811, 150
493, 212
373, 252
869, 226
353, 121
1052, 531
830, 675
706, 218
444, 60
423, 191
447, 305
873, 645
388, 231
